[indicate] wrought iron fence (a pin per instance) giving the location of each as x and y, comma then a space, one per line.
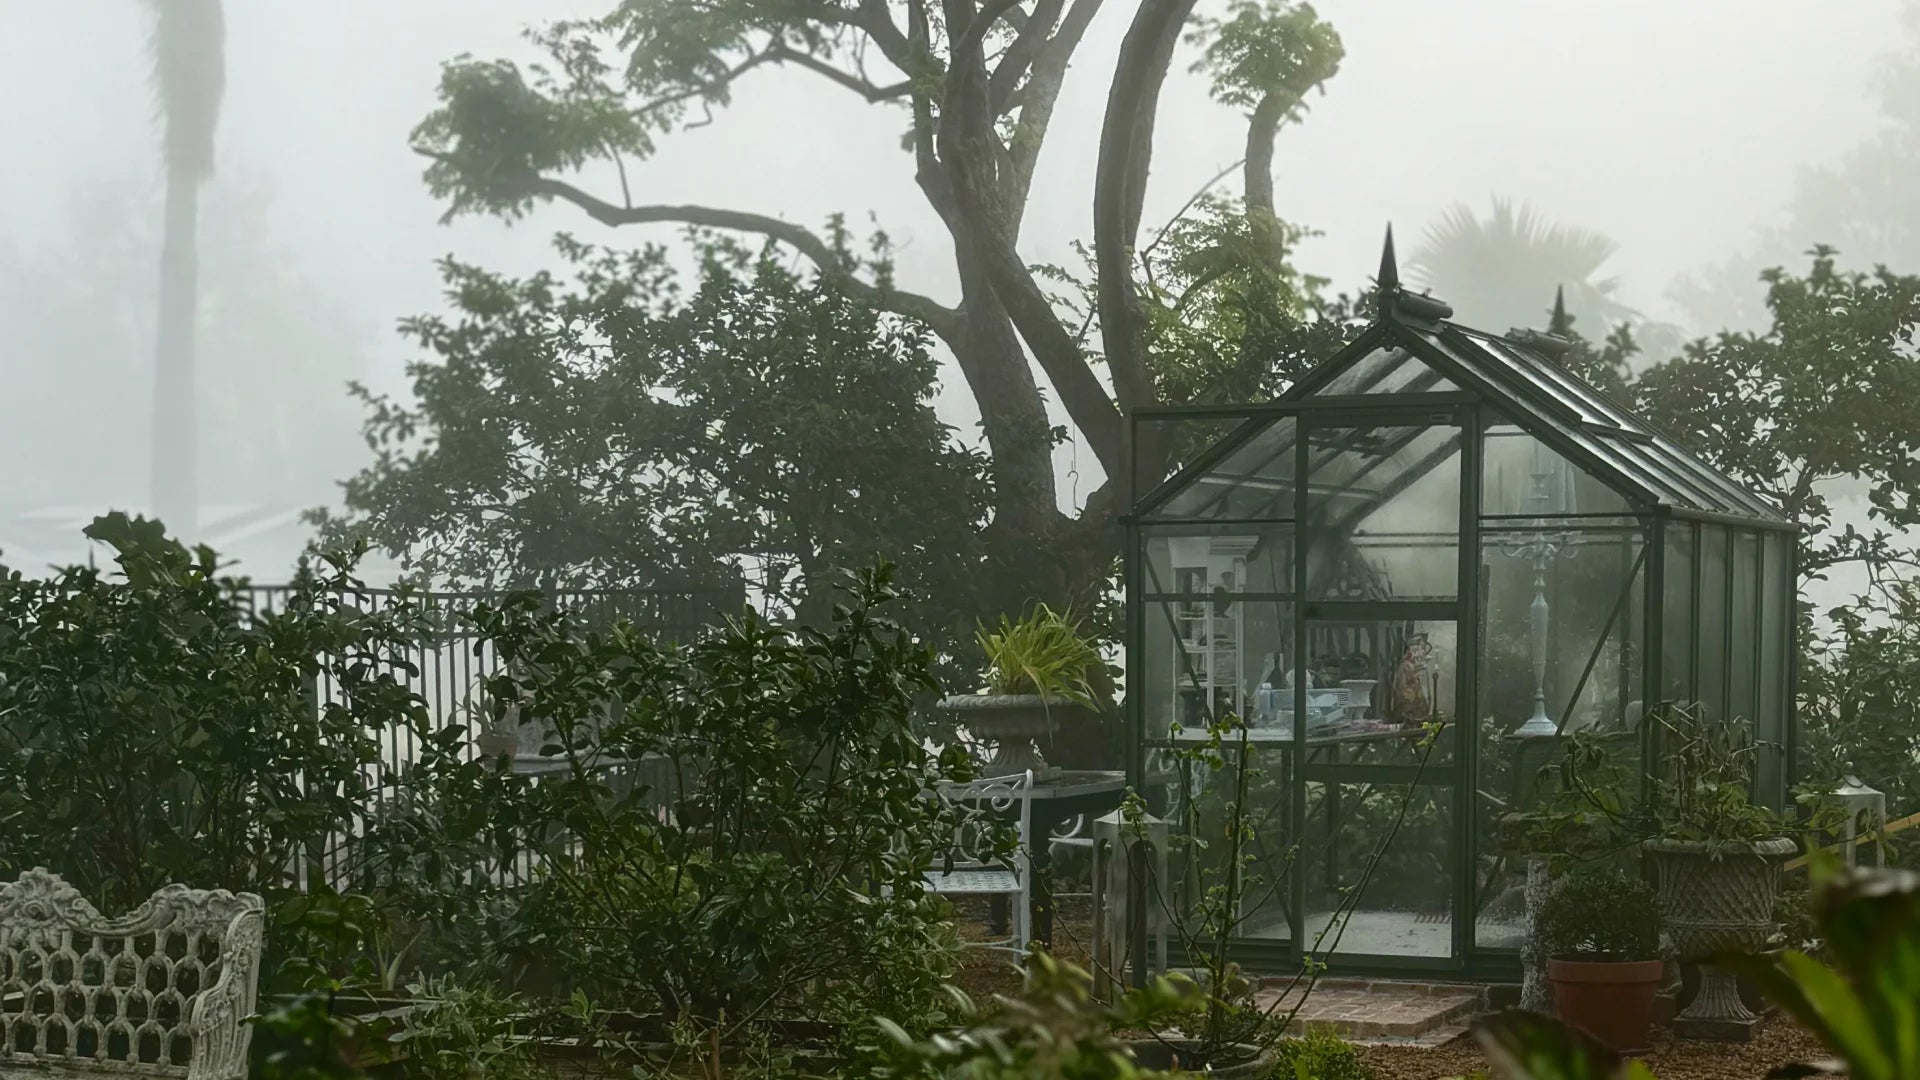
452, 661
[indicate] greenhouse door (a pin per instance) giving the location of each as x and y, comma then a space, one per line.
1385, 667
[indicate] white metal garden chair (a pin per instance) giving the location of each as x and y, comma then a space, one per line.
970, 867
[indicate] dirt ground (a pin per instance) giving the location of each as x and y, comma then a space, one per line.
985, 972
1780, 1042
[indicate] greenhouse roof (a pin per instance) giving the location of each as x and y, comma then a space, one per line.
1413, 349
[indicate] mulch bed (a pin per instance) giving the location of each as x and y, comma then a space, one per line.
1779, 1042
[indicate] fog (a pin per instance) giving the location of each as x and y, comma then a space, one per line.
1679, 130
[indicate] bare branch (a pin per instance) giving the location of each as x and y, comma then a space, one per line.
1039, 93
1120, 188
782, 54
1020, 55
975, 162
707, 88
1198, 194
942, 320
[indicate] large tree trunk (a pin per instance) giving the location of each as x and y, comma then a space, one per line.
176, 489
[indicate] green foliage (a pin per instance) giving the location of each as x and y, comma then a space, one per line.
1820, 401
302, 1039
779, 875
1320, 1055
1859, 677
1267, 49
1044, 653
1053, 1030
1704, 793
613, 431
1866, 1008
457, 1031
1528, 1046
153, 731
1599, 915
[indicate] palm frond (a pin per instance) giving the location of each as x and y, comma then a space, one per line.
1502, 269
188, 47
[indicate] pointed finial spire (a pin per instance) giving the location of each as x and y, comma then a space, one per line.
1389, 268
1560, 324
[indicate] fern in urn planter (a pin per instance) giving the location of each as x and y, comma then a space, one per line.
1039, 674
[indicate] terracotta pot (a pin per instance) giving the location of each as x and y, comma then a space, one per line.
1613, 1002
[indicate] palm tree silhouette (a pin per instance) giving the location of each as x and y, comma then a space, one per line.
188, 47
1501, 272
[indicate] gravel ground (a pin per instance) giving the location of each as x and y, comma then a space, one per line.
1778, 1043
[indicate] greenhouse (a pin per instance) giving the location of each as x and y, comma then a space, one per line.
1407, 581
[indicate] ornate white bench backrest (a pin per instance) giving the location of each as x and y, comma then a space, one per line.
164, 990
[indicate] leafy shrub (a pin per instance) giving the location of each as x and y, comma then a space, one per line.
1863, 1009
466, 1030
1601, 915
1706, 784
778, 877
1053, 1030
1044, 653
1319, 1055
154, 730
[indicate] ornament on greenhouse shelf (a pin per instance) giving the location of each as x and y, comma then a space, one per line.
1408, 700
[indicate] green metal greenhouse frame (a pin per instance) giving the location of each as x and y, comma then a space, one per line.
1344, 483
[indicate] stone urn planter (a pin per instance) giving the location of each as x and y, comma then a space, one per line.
1241, 1061
492, 744
1012, 722
1717, 900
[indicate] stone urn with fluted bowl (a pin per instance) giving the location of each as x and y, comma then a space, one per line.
1037, 681
1718, 899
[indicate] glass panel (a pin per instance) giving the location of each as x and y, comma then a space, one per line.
1743, 661
1215, 622
1207, 656
1201, 798
1776, 613
1522, 475
1724, 494
1403, 908
1373, 684
1632, 460
1710, 625
1562, 607
1184, 438
1384, 510
1388, 370
1563, 384
1254, 480
1676, 611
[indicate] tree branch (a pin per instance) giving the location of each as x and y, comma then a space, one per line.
1120, 188
972, 155
942, 320
1020, 56
1039, 93
873, 93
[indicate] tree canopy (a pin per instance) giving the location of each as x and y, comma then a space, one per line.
609, 428
976, 85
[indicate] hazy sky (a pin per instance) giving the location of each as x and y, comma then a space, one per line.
1674, 126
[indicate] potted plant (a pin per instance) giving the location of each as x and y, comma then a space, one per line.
1600, 935
1037, 677
1716, 855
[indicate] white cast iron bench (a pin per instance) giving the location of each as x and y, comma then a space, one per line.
163, 991
970, 868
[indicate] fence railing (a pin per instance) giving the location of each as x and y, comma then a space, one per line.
452, 661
